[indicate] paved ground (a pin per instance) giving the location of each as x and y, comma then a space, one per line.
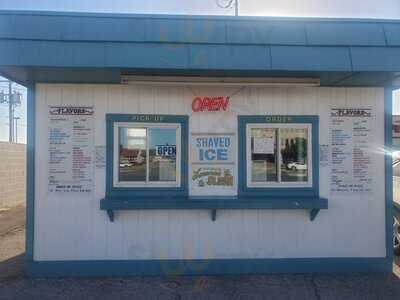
14, 285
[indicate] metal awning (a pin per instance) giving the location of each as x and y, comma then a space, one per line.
92, 47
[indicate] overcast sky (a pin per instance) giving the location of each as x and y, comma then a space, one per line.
325, 8
385, 9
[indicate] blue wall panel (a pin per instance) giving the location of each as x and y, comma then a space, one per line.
256, 32
109, 29
185, 31
246, 32
375, 59
288, 34
392, 32
148, 55
300, 58
365, 34
221, 57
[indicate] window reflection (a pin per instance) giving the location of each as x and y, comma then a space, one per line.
135, 143
162, 154
132, 154
263, 155
293, 154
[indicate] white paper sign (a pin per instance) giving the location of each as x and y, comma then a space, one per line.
351, 136
100, 157
324, 155
70, 149
264, 145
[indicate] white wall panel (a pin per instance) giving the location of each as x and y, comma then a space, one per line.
72, 227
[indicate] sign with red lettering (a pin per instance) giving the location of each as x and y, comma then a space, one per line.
219, 103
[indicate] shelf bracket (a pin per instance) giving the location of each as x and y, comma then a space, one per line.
313, 214
213, 215
110, 214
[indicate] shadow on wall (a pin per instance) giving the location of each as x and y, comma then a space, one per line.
12, 174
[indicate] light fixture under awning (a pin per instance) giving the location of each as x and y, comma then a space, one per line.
221, 81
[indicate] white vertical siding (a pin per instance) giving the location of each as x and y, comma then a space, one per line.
72, 227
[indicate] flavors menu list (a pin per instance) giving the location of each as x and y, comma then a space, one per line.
351, 156
70, 152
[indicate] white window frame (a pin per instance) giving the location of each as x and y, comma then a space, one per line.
147, 183
279, 184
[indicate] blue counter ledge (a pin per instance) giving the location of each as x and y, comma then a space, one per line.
312, 204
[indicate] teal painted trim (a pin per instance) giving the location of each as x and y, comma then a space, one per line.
98, 268
243, 190
112, 191
30, 173
388, 173
213, 203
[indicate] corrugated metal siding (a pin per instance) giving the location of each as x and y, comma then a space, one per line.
73, 227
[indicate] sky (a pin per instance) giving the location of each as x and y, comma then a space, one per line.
381, 9
325, 8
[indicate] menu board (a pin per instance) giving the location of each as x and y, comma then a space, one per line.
351, 136
70, 149
212, 164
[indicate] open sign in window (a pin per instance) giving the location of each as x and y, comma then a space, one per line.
146, 154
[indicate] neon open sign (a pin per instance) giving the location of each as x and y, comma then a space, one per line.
219, 103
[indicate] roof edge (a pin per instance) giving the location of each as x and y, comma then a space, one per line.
198, 17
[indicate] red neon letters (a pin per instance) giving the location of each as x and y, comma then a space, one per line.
210, 103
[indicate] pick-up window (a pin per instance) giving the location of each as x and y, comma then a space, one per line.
146, 154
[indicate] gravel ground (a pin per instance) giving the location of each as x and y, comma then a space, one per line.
14, 285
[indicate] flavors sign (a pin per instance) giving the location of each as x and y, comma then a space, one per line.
70, 149
351, 139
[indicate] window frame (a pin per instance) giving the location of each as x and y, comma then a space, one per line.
248, 188
147, 182
279, 183
129, 189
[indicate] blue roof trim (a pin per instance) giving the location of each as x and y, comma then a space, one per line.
197, 29
197, 43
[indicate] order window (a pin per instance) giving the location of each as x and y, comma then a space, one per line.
279, 155
147, 154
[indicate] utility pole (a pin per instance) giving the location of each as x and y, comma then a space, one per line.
10, 113
236, 8
16, 129
12, 99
